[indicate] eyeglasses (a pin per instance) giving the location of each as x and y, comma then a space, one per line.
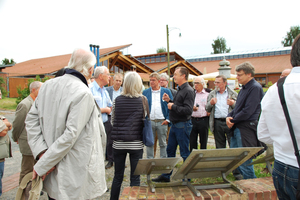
240, 74
196, 82
217, 82
162, 80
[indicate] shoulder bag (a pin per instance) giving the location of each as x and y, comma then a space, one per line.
148, 139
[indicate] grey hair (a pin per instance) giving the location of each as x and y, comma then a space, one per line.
82, 61
165, 76
202, 81
34, 85
118, 74
99, 70
132, 86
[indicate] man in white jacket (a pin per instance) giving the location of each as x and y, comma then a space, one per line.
65, 133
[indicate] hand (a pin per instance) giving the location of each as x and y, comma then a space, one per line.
166, 97
34, 174
4, 132
230, 102
228, 122
170, 105
165, 122
8, 124
213, 101
195, 108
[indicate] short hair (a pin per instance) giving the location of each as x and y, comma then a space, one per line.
34, 85
99, 70
247, 67
155, 75
185, 71
82, 61
202, 81
132, 86
165, 76
118, 74
223, 77
295, 52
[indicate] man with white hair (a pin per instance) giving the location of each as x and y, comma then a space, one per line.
103, 100
164, 81
19, 133
64, 133
199, 116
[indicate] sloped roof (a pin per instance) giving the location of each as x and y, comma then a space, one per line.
262, 65
50, 64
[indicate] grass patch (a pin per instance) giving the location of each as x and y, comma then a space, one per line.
8, 104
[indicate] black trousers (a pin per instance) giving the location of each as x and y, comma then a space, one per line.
109, 141
221, 131
200, 127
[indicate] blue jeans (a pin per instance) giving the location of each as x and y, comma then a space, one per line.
179, 135
285, 179
236, 142
1, 175
119, 159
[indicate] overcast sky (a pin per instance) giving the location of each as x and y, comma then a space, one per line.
36, 29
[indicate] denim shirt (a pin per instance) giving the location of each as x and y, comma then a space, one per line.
101, 97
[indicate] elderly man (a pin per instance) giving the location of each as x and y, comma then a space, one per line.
285, 73
65, 132
244, 116
19, 133
164, 81
103, 100
220, 102
273, 128
159, 114
199, 116
5, 146
181, 109
113, 92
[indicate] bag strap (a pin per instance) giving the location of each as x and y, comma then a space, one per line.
146, 107
287, 116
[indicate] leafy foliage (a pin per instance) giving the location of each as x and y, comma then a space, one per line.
23, 93
290, 36
6, 61
2, 87
161, 50
219, 46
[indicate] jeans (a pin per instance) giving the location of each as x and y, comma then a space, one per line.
120, 158
200, 127
246, 170
161, 131
285, 179
179, 135
1, 175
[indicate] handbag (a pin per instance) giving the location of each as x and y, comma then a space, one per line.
289, 122
148, 139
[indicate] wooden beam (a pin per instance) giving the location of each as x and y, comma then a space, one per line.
190, 68
114, 60
109, 56
134, 63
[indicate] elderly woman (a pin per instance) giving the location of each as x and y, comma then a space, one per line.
127, 115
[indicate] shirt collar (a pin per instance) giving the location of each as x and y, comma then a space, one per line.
248, 84
155, 90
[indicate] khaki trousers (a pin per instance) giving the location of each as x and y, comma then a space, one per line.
26, 166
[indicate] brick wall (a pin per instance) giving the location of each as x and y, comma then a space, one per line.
260, 189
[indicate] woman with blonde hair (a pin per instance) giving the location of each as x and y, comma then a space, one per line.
127, 115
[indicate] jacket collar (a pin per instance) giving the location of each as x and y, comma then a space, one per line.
77, 74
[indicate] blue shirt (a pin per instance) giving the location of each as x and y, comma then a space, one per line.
221, 108
247, 107
101, 97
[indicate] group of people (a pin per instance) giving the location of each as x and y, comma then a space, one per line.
67, 127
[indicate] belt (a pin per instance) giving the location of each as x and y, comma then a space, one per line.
221, 119
157, 120
199, 118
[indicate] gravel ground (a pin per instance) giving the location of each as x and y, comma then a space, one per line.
12, 166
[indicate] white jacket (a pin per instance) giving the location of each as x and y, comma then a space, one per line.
65, 121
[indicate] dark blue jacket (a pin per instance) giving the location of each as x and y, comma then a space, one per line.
164, 105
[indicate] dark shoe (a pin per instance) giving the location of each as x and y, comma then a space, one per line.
238, 177
161, 179
109, 165
107, 190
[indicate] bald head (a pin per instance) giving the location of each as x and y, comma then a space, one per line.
285, 73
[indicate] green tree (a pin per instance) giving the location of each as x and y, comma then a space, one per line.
23, 93
161, 50
290, 36
219, 46
2, 87
6, 61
